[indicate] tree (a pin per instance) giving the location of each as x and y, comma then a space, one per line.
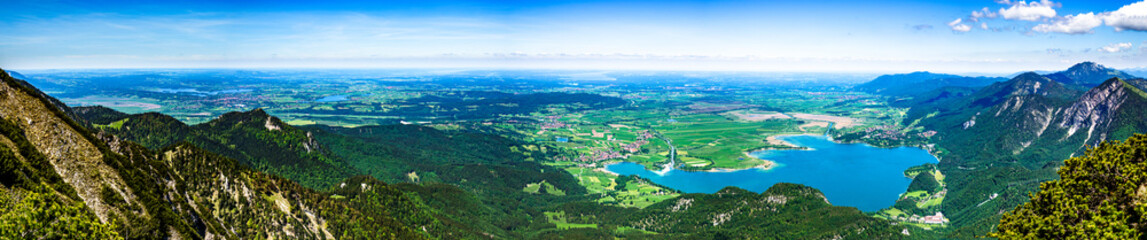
1102, 194
42, 214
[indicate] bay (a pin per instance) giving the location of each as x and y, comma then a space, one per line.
858, 175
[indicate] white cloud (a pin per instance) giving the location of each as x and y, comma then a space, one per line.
1033, 11
983, 13
984, 26
1130, 17
1116, 47
1077, 24
958, 26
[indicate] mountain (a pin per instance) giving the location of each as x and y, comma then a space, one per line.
253, 138
60, 180
915, 83
1101, 192
997, 143
1087, 74
884, 82
1040, 72
933, 97
1112, 110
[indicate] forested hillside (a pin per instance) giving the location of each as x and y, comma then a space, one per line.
253, 138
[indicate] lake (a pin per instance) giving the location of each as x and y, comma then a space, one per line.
856, 175
333, 98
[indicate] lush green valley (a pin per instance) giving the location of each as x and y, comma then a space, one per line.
531, 163
451, 184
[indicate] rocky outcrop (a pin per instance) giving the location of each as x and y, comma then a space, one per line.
1095, 109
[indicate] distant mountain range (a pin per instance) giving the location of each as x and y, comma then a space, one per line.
921, 82
1085, 75
1136, 71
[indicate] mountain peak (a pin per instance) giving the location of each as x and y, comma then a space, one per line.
1025, 84
900, 84
1087, 66
1132, 85
1114, 84
1088, 74
1030, 76
231, 118
258, 112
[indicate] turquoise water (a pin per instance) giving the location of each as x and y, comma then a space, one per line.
333, 98
856, 175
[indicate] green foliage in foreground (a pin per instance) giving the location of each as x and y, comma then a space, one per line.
1102, 194
42, 214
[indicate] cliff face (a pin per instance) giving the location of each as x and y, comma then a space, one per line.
1034, 110
1096, 109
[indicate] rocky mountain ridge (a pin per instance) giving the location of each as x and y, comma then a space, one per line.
1008, 136
179, 192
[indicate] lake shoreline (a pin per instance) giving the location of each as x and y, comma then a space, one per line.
767, 165
931, 150
838, 170
770, 164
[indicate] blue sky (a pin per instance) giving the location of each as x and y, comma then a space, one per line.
801, 36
